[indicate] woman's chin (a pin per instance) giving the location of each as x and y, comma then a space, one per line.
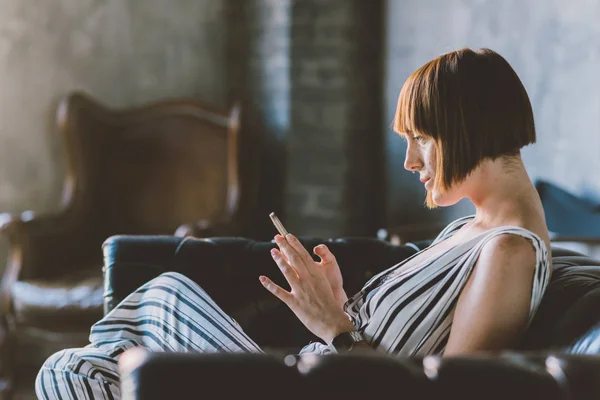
436, 199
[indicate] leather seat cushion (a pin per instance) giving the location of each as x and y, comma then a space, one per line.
70, 303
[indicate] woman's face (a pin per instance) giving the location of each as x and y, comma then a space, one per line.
421, 158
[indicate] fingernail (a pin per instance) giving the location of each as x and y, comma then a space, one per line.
289, 236
273, 253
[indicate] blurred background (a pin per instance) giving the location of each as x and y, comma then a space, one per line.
316, 82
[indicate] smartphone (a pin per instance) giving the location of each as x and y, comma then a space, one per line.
280, 228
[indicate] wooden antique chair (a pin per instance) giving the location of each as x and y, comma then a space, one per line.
166, 167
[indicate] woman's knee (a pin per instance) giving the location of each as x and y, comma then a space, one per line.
77, 372
49, 377
60, 360
175, 276
179, 282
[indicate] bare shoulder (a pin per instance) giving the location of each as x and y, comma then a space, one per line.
509, 242
508, 251
494, 307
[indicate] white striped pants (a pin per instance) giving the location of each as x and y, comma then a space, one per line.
169, 313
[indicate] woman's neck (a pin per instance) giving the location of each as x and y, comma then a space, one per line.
502, 191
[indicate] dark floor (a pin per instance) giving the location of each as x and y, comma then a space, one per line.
25, 385
25, 394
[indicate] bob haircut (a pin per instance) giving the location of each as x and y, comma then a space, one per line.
473, 104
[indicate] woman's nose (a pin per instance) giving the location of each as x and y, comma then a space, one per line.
412, 162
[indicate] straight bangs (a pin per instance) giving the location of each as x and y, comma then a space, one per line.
417, 104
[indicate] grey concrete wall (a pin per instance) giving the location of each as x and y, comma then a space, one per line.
555, 48
123, 52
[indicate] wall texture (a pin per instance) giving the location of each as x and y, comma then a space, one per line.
555, 48
123, 52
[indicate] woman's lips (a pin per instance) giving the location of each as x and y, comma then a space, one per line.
426, 183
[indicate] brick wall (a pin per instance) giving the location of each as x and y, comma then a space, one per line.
309, 74
333, 173
258, 69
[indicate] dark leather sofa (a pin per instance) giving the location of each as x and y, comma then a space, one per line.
557, 359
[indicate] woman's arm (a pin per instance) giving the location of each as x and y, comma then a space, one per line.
492, 311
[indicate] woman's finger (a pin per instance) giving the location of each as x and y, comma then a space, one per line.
301, 251
324, 254
290, 274
279, 292
292, 256
295, 243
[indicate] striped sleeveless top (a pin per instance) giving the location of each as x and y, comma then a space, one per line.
409, 311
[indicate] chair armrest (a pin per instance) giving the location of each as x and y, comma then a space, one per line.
42, 243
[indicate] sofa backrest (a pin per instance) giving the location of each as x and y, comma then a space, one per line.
569, 315
228, 269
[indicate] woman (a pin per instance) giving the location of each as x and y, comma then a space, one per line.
465, 116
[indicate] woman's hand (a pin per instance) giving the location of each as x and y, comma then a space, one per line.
312, 297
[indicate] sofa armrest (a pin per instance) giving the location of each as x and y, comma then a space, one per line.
269, 376
222, 376
358, 376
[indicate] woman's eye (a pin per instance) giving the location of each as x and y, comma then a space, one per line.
419, 138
